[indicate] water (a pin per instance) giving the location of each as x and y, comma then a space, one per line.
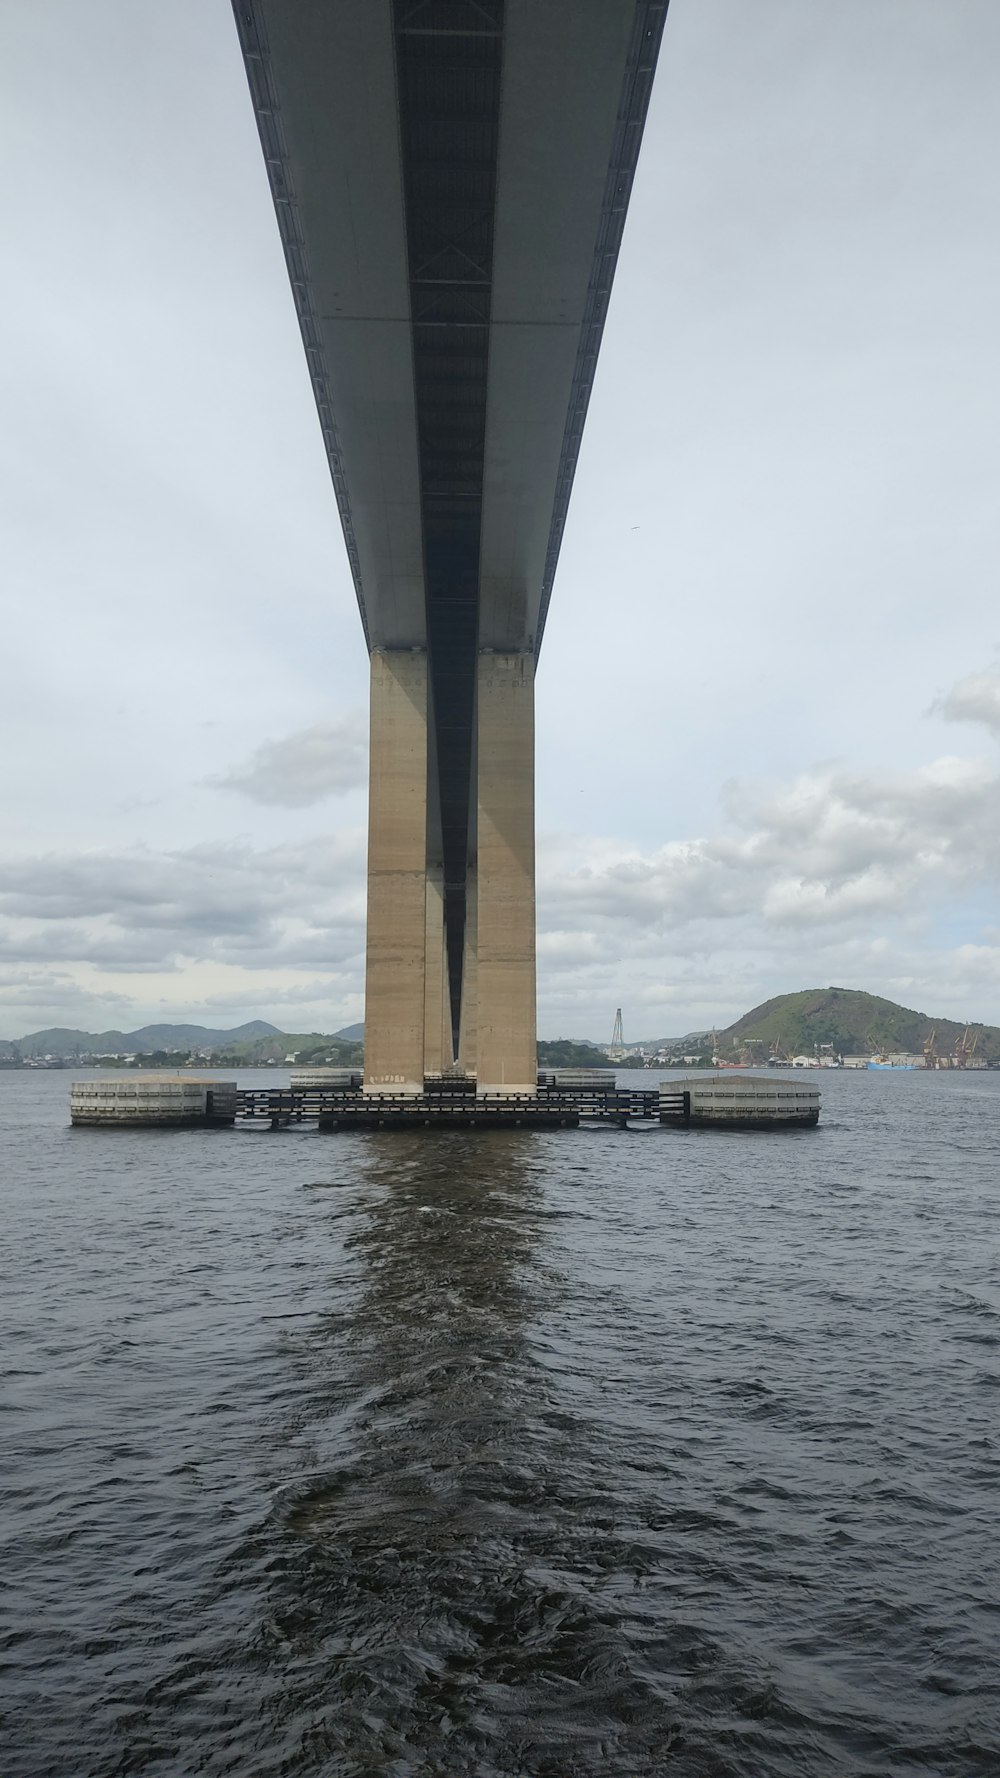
628, 1453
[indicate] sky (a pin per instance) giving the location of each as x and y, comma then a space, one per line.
769, 697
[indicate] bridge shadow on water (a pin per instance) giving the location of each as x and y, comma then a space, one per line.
442, 1600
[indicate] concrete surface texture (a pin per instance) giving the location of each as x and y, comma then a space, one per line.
506, 1058
408, 1006
145, 1099
397, 873
747, 1098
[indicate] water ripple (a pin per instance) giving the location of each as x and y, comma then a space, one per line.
520, 1454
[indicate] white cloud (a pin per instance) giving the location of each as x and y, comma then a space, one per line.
57, 989
974, 699
830, 848
328, 759
835, 876
141, 910
879, 880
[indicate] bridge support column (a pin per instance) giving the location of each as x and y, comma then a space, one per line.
395, 976
506, 1054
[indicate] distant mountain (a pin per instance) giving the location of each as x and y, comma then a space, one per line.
853, 1022
309, 1048
199, 1036
60, 1041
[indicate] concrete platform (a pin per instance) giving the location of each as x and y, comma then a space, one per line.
175, 1101
469, 1114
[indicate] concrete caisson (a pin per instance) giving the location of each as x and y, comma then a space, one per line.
577, 1080
746, 1100
326, 1080
152, 1101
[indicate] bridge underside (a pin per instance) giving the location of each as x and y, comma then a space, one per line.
451, 179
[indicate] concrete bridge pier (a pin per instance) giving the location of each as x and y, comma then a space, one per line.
450, 181
506, 1054
396, 993
408, 1026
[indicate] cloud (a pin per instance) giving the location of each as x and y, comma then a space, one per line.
316, 992
56, 989
880, 880
974, 699
833, 876
141, 909
830, 848
328, 759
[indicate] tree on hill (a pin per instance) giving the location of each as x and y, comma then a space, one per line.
307, 1047
563, 1052
852, 1022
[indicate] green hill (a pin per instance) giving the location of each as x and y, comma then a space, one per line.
853, 1022
566, 1052
310, 1048
58, 1040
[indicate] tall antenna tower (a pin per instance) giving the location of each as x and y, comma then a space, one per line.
617, 1036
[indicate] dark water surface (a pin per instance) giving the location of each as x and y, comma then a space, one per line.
620, 1453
